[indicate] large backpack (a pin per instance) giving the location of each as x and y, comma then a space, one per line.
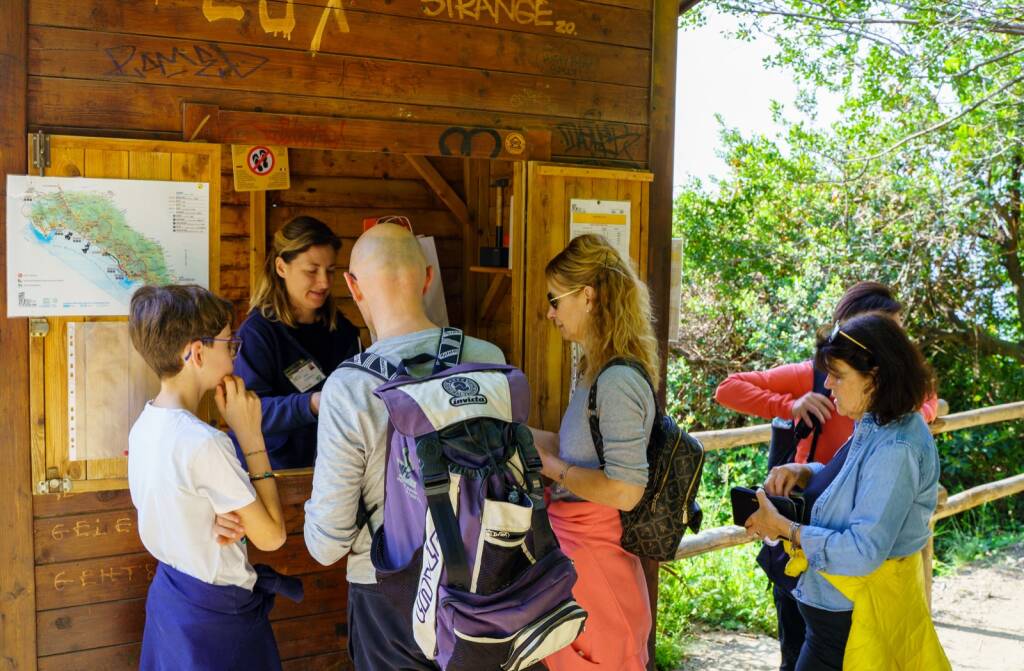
466, 548
675, 461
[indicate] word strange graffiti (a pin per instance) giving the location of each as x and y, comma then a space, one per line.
522, 12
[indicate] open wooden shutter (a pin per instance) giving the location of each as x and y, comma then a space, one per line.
48, 356
550, 190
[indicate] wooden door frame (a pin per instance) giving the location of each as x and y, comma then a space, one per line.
17, 579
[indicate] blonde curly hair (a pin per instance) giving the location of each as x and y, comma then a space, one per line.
621, 324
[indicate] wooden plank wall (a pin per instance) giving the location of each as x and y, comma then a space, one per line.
579, 68
343, 188
92, 573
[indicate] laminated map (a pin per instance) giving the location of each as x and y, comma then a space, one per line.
80, 246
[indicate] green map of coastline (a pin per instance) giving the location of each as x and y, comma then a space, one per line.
97, 219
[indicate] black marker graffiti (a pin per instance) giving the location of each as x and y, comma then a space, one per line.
466, 148
199, 60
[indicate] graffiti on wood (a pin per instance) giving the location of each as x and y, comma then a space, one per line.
142, 572
601, 139
91, 528
199, 60
333, 14
465, 147
520, 12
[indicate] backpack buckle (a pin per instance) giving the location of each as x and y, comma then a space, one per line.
436, 484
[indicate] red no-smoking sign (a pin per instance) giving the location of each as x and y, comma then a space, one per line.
260, 160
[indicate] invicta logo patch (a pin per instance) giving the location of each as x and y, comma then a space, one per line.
463, 391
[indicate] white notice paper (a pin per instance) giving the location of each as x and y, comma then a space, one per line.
610, 218
78, 246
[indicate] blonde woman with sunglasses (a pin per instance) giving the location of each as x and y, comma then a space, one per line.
596, 301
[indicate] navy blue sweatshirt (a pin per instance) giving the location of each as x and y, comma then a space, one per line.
269, 348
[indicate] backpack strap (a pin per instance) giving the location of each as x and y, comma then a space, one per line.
436, 486
818, 387
449, 353
595, 423
543, 536
449, 349
376, 365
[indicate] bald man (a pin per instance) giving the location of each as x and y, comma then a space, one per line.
388, 277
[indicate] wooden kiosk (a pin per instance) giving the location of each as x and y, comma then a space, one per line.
413, 107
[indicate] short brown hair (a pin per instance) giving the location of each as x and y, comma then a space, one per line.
162, 320
866, 297
876, 346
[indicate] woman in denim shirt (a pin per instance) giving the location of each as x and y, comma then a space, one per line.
880, 502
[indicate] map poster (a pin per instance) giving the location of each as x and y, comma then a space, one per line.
78, 246
610, 218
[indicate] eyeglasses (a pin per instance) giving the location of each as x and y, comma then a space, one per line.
553, 300
838, 331
234, 345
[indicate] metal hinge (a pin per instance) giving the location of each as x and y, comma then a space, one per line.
38, 327
40, 151
54, 483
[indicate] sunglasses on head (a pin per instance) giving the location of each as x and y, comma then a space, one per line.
553, 300
837, 331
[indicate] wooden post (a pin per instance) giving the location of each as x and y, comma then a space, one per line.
17, 580
661, 155
928, 551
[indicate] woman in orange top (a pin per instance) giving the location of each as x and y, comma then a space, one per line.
788, 392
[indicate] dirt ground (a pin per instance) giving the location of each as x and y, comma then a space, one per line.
978, 613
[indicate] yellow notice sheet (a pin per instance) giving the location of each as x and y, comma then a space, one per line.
610, 218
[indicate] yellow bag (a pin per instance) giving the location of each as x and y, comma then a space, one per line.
892, 628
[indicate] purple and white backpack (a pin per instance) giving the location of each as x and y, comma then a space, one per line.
466, 548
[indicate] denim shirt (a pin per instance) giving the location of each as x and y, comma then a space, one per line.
878, 507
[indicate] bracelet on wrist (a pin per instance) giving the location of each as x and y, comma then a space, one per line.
249, 454
565, 471
253, 477
794, 528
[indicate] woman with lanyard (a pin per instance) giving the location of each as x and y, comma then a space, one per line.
294, 337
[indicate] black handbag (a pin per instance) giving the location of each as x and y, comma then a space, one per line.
675, 459
786, 434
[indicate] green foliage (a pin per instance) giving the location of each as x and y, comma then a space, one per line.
974, 534
920, 185
724, 588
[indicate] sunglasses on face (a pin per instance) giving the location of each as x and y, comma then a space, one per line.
553, 300
234, 345
836, 331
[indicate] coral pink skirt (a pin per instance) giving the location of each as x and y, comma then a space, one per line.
610, 587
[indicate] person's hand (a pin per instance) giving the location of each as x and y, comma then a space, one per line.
782, 480
239, 407
314, 402
813, 404
766, 522
227, 528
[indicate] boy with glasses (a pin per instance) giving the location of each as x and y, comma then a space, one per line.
207, 606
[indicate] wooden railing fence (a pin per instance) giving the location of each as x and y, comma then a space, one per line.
729, 536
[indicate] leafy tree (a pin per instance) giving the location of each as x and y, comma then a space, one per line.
919, 185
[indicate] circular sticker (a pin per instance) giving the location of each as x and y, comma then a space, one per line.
260, 160
515, 143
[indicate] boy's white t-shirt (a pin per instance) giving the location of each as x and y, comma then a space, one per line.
183, 472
